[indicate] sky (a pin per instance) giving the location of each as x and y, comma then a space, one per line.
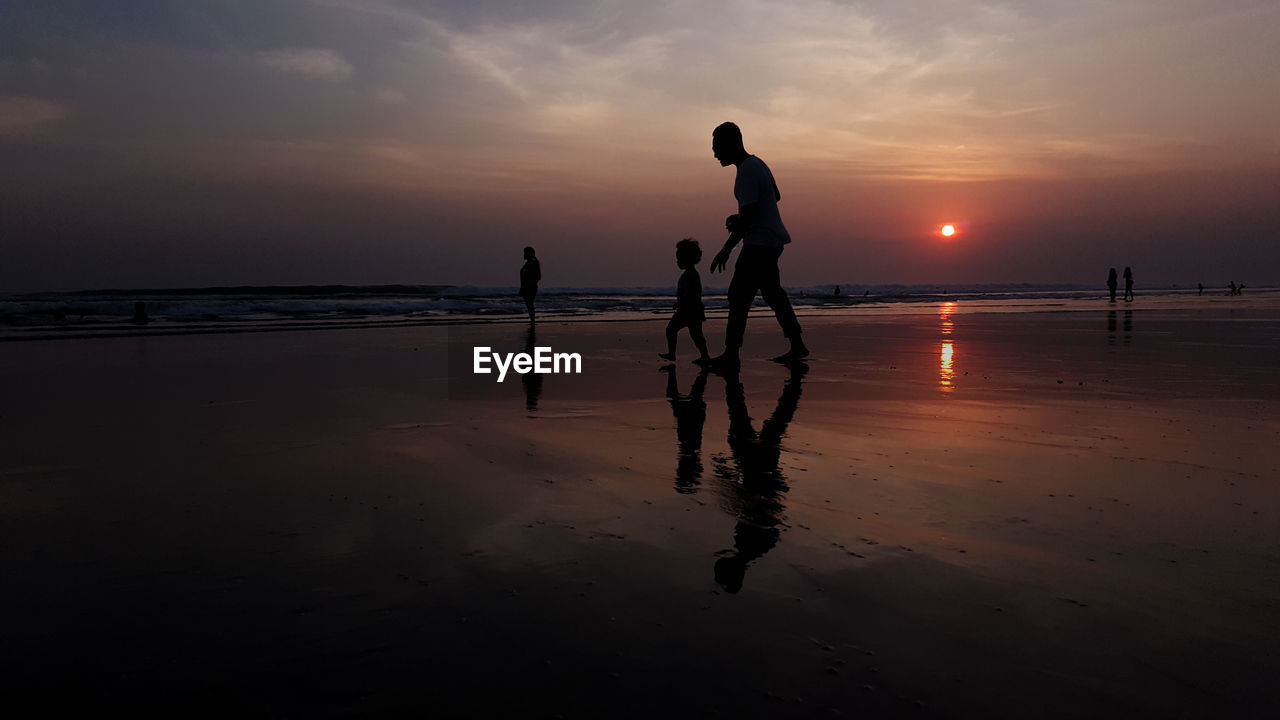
178, 144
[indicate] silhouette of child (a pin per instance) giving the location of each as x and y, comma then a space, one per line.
530, 276
1112, 282
689, 311
1128, 284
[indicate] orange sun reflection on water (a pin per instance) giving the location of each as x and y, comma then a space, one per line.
946, 355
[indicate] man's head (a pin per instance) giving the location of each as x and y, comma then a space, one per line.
726, 144
528, 253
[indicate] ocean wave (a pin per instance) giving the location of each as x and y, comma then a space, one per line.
327, 305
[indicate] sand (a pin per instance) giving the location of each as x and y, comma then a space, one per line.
948, 514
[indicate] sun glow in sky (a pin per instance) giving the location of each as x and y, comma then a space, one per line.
395, 141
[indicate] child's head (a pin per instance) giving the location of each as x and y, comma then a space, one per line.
528, 253
688, 253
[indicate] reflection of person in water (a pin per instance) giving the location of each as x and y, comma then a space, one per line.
691, 413
532, 381
753, 486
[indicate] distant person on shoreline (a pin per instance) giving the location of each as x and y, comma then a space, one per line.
530, 276
759, 226
1128, 284
140, 314
1201, 286
1112, 283
689, 311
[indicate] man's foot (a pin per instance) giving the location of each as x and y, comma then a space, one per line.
726, 361
795, 354
667, 356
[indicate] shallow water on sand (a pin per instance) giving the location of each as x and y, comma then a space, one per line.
942, 515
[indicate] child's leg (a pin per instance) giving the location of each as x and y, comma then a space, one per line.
699, 340
672, 329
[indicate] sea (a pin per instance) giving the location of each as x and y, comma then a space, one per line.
96, 313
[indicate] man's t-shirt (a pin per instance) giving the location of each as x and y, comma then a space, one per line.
755, 184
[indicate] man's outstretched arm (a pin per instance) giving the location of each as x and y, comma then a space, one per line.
737, 225
722, 258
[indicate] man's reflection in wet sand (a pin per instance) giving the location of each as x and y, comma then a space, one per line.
751, 484
532, 381
691, 413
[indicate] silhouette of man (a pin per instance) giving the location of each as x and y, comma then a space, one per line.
754, 486
758, 225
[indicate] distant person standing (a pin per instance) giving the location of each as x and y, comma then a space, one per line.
759, 226
140, 314
1112, 283
1128, 284
1201, 286
530, 276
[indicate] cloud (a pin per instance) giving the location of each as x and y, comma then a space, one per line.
312, 63
21, 115
389, 96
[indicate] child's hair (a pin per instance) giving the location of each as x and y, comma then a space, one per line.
688, 250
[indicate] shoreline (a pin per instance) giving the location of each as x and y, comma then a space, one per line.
855, 311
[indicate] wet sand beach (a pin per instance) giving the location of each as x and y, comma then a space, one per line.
942, 514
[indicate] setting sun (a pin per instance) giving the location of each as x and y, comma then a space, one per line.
948, 230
